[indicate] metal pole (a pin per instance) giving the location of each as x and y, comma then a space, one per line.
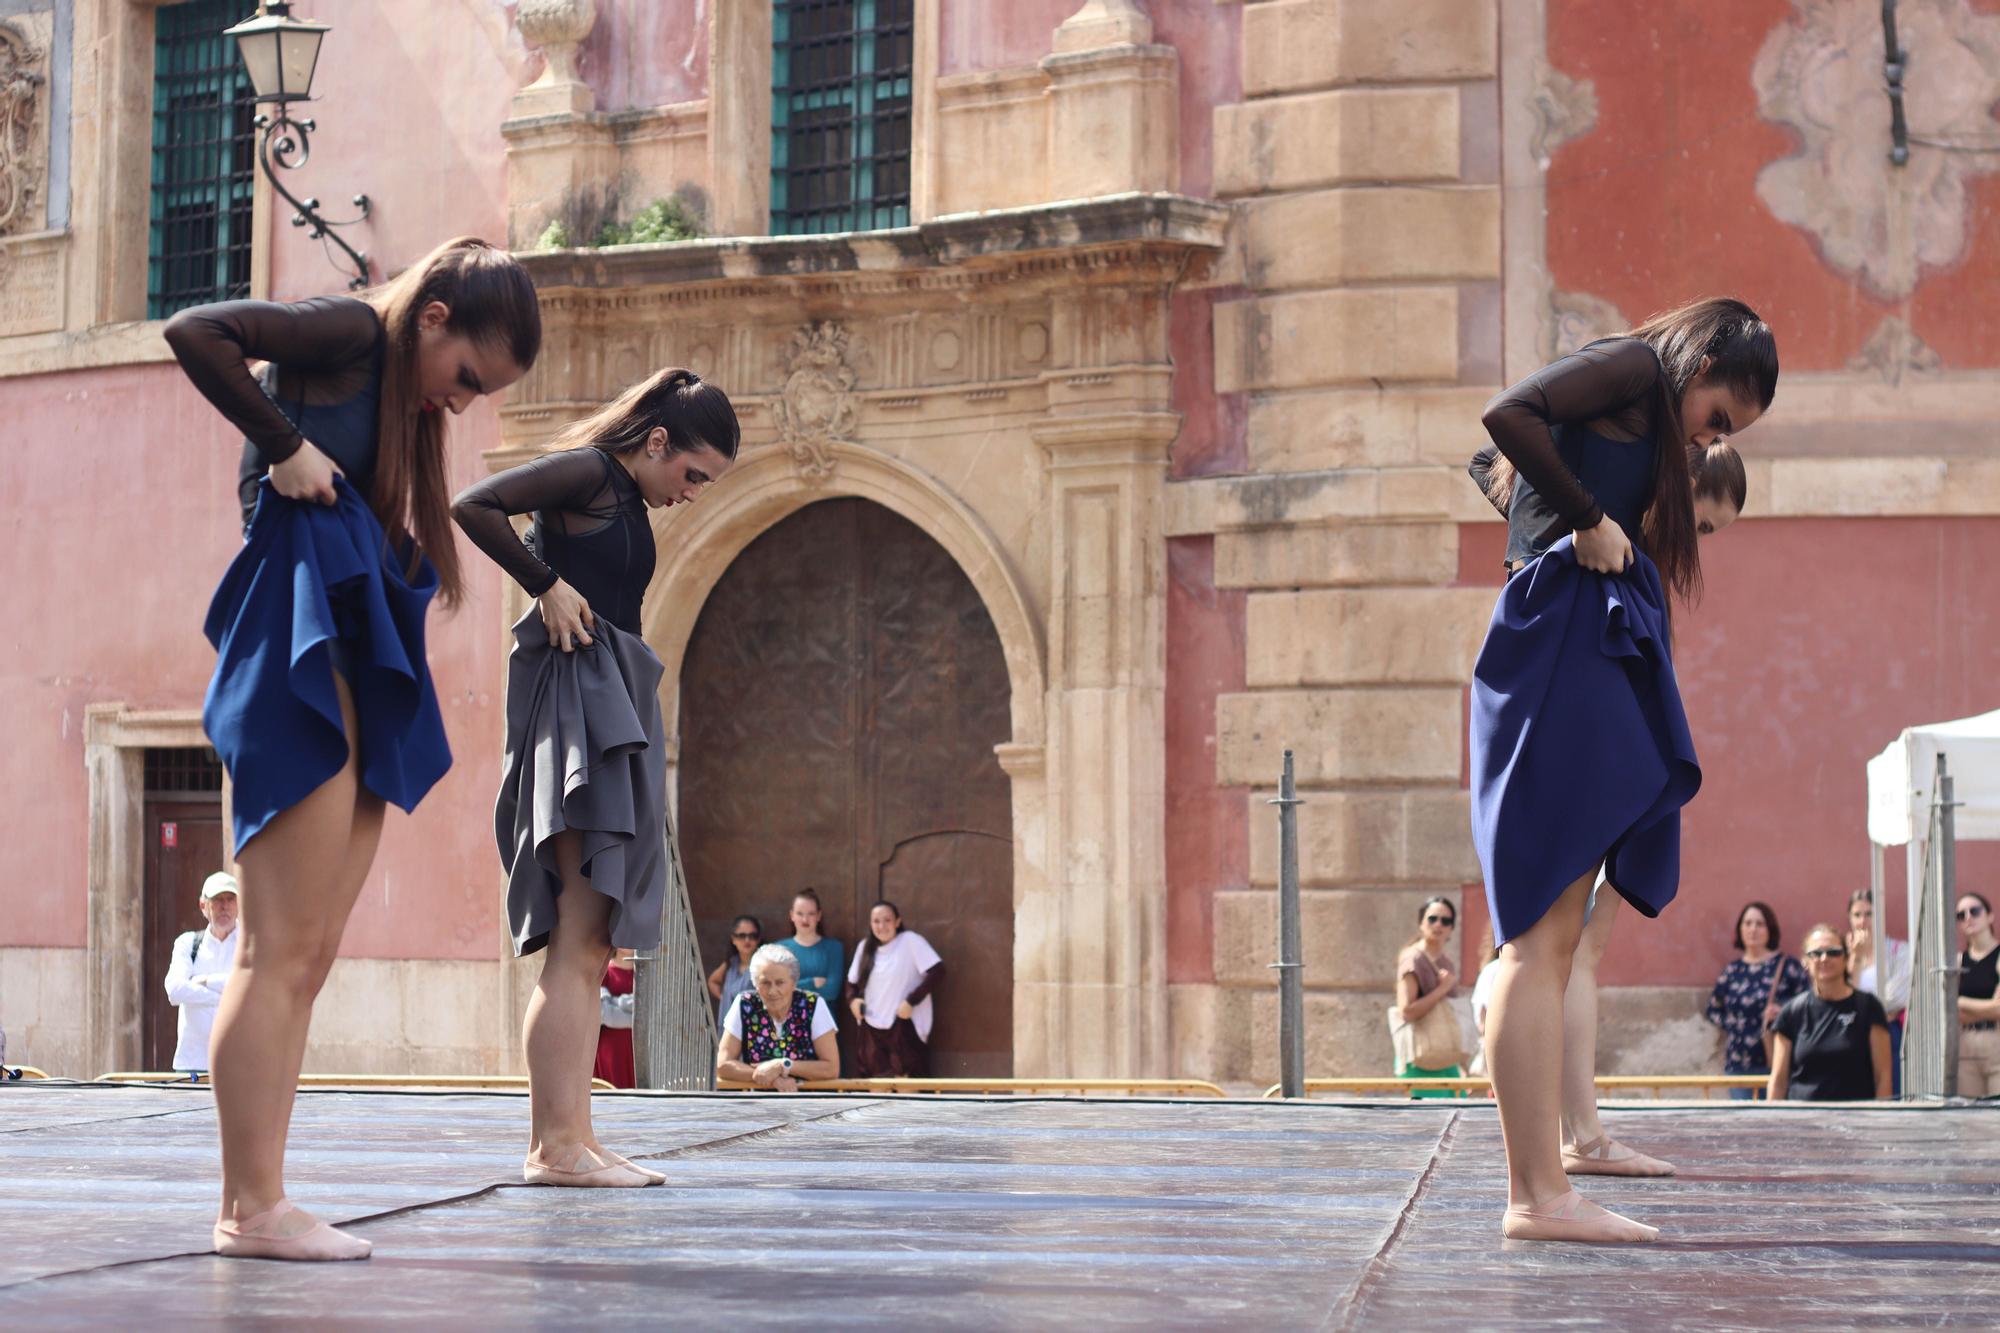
1947, 898
1290, 964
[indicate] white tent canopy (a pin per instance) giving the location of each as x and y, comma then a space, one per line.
1900, 780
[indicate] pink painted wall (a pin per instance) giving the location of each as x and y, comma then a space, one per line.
130, 476
978, 34
1208, 834
1819, 640
647, 53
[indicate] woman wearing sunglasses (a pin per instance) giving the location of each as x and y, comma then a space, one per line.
1426, 979
1830, 1044
1978, 1010
733, 977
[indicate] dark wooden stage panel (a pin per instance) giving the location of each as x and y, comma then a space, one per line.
1059, 1213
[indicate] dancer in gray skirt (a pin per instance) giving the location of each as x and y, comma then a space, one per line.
581, 817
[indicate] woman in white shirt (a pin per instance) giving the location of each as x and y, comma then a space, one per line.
1880, 965
893, 975
777, 1033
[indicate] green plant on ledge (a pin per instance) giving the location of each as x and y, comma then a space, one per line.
662, 220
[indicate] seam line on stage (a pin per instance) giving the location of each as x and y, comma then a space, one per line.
1347, 1310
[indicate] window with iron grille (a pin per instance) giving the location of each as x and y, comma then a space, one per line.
840, 115
179, 771
204, 158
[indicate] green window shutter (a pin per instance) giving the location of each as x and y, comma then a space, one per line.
204, 160
840, 115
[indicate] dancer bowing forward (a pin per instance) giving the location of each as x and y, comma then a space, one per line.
321, 706
1581, 757
582, 808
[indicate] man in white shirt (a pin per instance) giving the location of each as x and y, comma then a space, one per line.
199, 968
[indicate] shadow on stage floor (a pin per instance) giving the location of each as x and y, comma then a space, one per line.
1007, 1213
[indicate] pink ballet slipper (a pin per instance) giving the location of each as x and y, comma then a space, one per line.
588, 1170
652, 1177
258, 1238
1605, 1156
1570, 1216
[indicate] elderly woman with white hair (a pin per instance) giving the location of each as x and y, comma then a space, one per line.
777, 1034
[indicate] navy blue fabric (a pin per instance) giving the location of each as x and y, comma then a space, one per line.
1580, 749
312, 580
347, 431
1619, 474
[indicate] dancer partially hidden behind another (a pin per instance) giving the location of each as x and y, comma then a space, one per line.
321, 706
1581, 757
1720, 492
582, 807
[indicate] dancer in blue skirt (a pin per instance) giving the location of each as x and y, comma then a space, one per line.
321, 706
1581, 757
582, 813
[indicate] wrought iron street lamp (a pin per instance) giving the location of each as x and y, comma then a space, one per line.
280, 53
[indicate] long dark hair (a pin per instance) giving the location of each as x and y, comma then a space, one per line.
1425, 911
1724, 340
692, 411
1719, 475
866, 967
492, 302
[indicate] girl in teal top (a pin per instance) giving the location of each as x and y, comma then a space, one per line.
821, 960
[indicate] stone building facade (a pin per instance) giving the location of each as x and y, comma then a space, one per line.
1177, 352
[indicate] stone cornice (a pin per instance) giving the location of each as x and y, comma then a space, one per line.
1058, 241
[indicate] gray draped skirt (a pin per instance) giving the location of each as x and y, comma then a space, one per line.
586, 751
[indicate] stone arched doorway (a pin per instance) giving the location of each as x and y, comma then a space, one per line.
841, 696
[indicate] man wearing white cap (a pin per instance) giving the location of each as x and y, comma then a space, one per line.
200, 967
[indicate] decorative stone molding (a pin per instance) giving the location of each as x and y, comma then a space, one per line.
558, 28
1821, 75
1893, 349
816, 407
1564, 109
24, 129
1102, 23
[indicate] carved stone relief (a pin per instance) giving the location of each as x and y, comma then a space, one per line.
816, 407
23, 128
1821, 74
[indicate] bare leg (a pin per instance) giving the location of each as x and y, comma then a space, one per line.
1524, 1048
560, 1037
301, 875
1587, 1150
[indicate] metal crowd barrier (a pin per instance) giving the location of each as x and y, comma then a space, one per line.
1130, 1087
15, 1073
1708, 1084
453, 1082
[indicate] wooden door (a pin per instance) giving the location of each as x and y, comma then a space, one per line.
840, 700
184, 847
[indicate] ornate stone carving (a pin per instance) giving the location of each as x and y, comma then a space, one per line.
1564, 108
816, 407
1821, 74
1576, 318
1893, 349
23, 128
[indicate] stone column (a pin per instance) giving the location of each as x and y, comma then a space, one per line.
1114, 104
1090, 943
558, 28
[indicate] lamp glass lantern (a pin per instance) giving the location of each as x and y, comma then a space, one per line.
279, 52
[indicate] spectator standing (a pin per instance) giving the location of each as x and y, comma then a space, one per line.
777, 1033
1978, 1010
821, 960
733, 977
894, 972
1880, 965
1830, 1044
1750, 991
614, 1033
1425, 980
199, 970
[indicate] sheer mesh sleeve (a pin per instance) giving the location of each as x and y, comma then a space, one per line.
1597, 381
572, 480
329, 334
1481, 471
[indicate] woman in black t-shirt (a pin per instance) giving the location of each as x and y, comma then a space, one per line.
1830, 1044
1978, 1010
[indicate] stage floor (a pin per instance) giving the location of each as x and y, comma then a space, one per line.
821, 1212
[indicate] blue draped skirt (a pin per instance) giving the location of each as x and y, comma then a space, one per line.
1581, 753
317, 587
